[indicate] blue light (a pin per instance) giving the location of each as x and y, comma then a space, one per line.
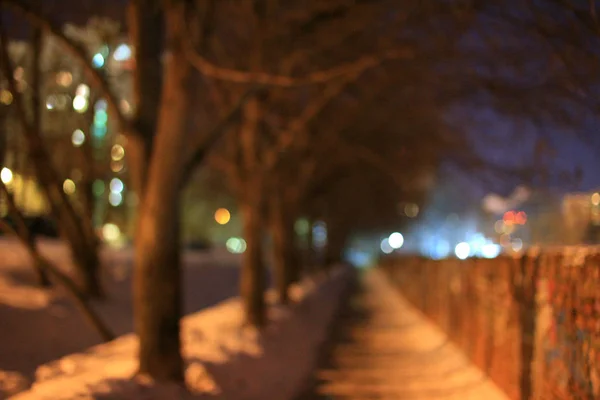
99, 131
122, 53
98, 60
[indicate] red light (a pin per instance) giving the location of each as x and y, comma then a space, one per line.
509, 218
521, 218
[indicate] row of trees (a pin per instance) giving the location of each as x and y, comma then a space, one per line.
327, 110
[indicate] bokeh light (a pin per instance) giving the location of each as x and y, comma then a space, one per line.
115, 199
78, 138
116, 185
6, 176
80, 104
111, 232
462, 250
117, 152
396, 240
69, 186
222, 216
236, 245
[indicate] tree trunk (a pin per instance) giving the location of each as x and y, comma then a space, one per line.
252, 283
283, 236
336, 240
157, 279
309, 256
146, 30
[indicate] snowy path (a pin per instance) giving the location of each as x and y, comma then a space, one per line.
385, 349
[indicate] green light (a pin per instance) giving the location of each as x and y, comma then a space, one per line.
100, 117
98, 187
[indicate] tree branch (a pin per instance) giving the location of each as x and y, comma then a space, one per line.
211, 70
215, 134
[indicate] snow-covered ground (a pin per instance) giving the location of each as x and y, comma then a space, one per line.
38, 326
225, 359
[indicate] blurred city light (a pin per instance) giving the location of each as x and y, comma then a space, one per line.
517, 244
222, 216
396, 240
64, 78
236, 245
78, 138
122, 52
411, 210
490, 250
319, 234
111, 232
6, 97
82, 90
116, 185
386, 247
302, 227
98, 60
69, 186
98, 187
462, 250
6, 176
100, 105
80, 104
115, 199
117, 152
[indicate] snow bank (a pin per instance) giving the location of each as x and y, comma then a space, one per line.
224, 358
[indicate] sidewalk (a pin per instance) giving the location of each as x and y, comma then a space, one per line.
387, 350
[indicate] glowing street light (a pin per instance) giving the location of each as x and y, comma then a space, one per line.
462, 250
222, 216
6, 176
396, 240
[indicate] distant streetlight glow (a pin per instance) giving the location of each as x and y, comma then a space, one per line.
98, 60
122, 53
385, 246
6, 176
78, 138
222, 216
69, 186
111, 232
80, 104
116, 185
396, 240
115, 199
236, 245
462, 250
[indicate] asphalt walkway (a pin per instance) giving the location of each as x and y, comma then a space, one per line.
383, 348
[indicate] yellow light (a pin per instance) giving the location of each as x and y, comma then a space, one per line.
116, 166
111, 232
80, 104
69, 186
596, 199
222, 216
6, 97
117, 152
6, 176
64, 78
